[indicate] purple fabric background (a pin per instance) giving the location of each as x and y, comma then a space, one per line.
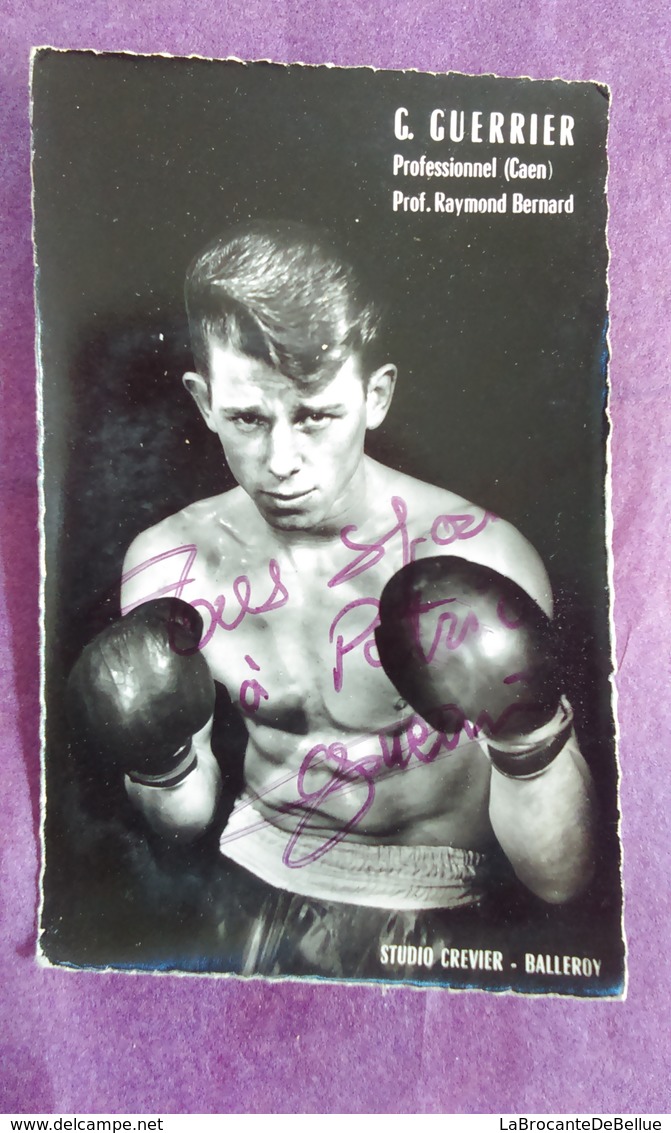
77, 1042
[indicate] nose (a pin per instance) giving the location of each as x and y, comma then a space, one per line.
284, 457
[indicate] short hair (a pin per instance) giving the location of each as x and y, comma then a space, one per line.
282, 293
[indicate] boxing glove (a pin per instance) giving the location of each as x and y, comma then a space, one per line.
141, 690
461, 642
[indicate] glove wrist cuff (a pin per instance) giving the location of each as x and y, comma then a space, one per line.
531, 755
183, 762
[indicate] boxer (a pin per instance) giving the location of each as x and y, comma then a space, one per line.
388, 644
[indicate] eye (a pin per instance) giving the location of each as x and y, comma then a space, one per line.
314, 418
247, 422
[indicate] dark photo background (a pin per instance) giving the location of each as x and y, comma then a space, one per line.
497, 325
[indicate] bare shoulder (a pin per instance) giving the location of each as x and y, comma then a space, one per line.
503, 548
161, 560
442, 522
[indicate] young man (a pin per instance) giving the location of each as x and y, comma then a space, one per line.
361, 815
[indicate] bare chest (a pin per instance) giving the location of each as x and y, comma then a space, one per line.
292, 639
291, 644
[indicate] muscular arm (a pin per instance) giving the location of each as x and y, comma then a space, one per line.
183, 811
545, 825
183, 805
491, 663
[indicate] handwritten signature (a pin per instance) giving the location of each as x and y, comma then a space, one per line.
401, 750
419, 741
348, 774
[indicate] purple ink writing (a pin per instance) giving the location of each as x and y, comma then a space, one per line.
176, 588
343, 647
242, 590
252, 691
346, 773
453, 627
371, 553
278, 597
445, 529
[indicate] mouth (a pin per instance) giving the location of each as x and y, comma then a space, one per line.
287, 500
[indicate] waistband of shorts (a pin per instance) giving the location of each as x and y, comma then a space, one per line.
358, 873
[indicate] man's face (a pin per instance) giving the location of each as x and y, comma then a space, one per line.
298, 454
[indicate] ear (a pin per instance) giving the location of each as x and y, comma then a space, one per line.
379, 392
200, 392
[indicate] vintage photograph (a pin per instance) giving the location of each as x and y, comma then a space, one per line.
323, 396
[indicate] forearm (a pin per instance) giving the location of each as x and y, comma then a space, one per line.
142, 698
185, 807
545, 825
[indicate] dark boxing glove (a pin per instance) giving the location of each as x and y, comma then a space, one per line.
462, 643
141, 690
